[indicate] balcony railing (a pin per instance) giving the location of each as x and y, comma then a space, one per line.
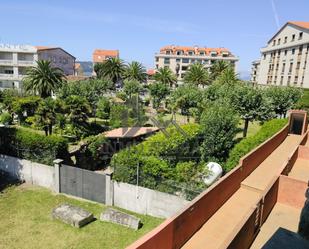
6, 76
20, 62
6, 62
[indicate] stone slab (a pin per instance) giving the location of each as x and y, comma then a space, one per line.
121, 218
72, 215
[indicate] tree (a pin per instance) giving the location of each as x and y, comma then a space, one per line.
197, 75
43, 79
119, 116
282, 98
131, 87
112, 69
227, 76
46, 115
186, 98
248, 102
158, 92
217, 68
103, 108
135, 71
25, 106
165, 76
219, 126
78, 110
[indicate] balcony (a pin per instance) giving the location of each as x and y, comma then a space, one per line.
25, 63
6, 76
6, 62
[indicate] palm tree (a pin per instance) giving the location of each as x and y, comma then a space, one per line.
217, 68
135, 71
165, 76
43, 79
78, 109
228, 76
197, 75
46, 115
112, 69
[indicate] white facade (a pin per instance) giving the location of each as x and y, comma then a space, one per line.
14, 60
178, 58
284, 60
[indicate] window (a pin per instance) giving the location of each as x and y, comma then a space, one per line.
274, 42
298, 65
285, 52
289, 80
166, 60
177, 60
168, 52
281, 80
185, 60
275, 81
300, 36
293, 37
305, 64
202, 53
190, 53
279, 40
283, 67
300, 51
285, 39
293, 51
264, 56
8, 71
157, 59
179, 52
295, 79
291, 67
184, 68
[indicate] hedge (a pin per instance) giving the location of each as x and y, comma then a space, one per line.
157, 159
267, 130
32, 146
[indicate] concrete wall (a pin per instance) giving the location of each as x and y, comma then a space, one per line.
30, 172
146, 201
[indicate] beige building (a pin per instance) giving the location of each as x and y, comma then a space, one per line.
255, 70
179, 58
14, 60
285, 58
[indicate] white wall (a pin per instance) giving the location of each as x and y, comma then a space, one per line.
146, 201
30, 172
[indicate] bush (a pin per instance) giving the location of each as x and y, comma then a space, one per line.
6, 118
33, 146
103, 108
267, 130
163, 160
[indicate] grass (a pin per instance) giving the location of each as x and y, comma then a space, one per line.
26, 222
253, 128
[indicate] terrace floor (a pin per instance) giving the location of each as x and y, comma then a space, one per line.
283, 216
300, 170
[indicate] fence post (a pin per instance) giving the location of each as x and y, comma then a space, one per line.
109, 189
57, 165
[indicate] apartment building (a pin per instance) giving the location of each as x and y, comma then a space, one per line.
14, 60
58, 58
100, 55
285, 58
179, 58
255, 70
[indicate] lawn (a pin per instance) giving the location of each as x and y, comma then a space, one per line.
26, 222
253, 128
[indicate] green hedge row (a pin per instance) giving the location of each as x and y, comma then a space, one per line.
32, 146
267, 130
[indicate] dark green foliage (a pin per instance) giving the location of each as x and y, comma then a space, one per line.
32, 146
163, 161
197, 75
119, 116
25, 106
247, 144
135, 71
6, 118
103, 108
112, 69
165, 76
132, 87
303, 102
219, 128
158, 92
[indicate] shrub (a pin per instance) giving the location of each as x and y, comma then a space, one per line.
33, 146
103, 108
246, 145
6, 118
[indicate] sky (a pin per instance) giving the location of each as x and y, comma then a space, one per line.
139, 28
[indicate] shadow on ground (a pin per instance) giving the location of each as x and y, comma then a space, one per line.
6, 180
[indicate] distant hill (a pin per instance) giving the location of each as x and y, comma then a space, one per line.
87, 67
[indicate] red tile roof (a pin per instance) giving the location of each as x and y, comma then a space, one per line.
304, 25
151, 71
100, 55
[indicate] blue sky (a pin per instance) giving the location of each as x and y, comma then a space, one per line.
139, 28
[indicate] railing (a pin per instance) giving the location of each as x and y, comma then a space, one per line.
6, 62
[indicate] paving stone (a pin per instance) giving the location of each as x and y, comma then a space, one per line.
72, 215
118, 217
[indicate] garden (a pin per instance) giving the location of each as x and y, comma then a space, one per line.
211, 116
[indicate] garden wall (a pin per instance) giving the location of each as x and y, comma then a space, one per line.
146, 201
30, 172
